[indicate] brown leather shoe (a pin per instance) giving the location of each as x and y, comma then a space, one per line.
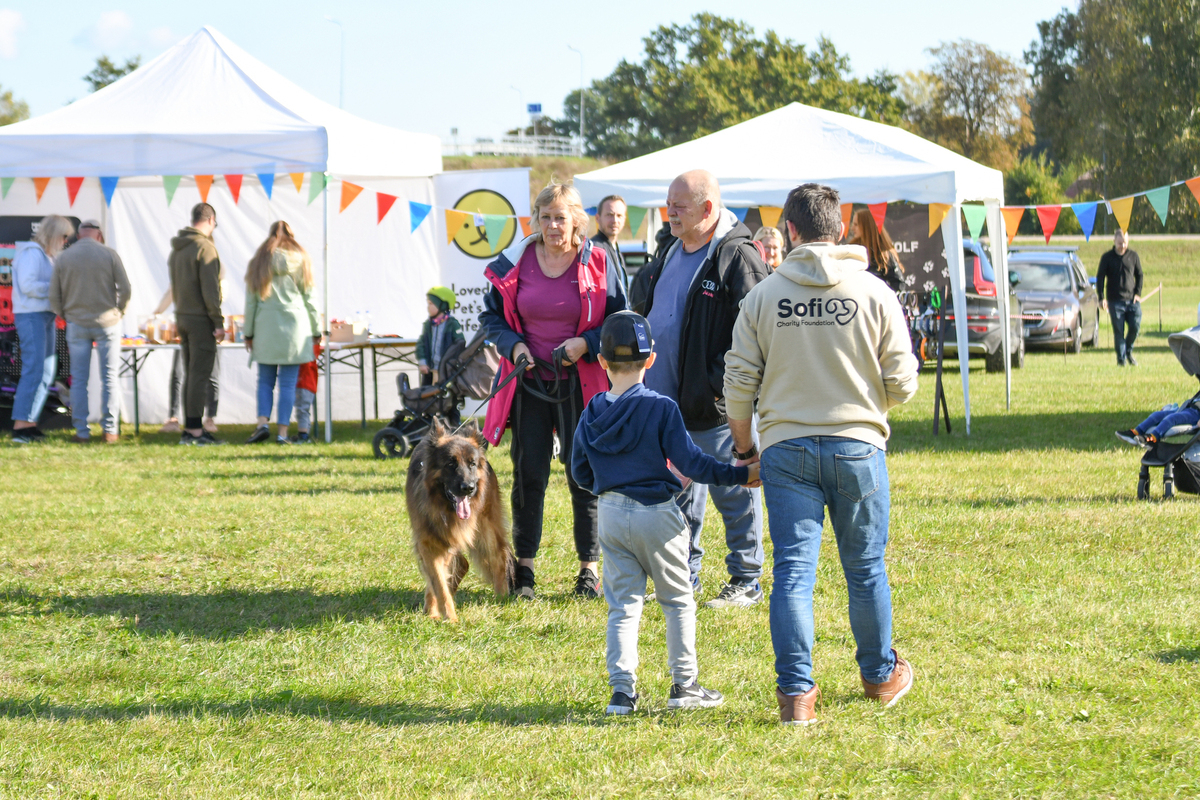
895, 687
798, 709
111, 438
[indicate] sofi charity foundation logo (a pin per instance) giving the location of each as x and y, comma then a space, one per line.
830, 311
471, 237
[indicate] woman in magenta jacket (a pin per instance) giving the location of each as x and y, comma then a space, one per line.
550, 292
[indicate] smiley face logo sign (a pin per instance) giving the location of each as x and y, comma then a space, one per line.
471, 238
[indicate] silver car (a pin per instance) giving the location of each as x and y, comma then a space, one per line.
1060, 306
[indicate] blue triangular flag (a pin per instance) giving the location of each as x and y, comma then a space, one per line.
740, 213
1086, 214
267, 179
417, 212
591, 212
108, 185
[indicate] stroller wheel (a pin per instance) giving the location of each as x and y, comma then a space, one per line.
390, 443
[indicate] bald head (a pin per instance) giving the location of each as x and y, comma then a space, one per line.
693, 206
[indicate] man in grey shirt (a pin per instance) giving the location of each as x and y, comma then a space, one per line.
90, 290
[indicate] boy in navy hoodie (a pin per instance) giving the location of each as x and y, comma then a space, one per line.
630, 449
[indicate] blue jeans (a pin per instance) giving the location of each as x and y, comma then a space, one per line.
287, 375
35, 331
1160, 422
108, 345
800, 478
1122, 313
740, 508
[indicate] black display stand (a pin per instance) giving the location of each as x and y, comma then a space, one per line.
939, 394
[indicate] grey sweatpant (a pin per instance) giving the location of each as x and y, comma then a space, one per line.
640, 541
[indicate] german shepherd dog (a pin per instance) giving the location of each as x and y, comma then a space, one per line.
455, 509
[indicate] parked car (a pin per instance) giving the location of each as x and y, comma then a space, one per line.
985, 337
1060, 303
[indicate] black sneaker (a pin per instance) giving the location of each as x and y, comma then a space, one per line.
1132, 437
621, 704
694, 696
261, 434
204, 438
28, 435
736, 595
523, 582
587, 584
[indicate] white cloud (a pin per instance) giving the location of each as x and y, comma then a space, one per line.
11, 23
162, 37
110, 32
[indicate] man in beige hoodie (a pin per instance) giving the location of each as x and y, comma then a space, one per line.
823, 347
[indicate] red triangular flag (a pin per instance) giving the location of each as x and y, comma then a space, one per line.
203, 184
73, 185
1048, 217
526, 225
234, 182
383, 204
878, 211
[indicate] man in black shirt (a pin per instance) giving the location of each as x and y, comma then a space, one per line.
610, 219
1122, 269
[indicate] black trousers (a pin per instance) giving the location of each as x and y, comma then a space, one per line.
199, 349
534, 421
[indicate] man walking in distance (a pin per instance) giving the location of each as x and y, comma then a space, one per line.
823, 346
90, 290
196, 286
692, 303
1122, 269
610, 219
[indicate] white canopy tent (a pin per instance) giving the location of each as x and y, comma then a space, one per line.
759, 161
206, 107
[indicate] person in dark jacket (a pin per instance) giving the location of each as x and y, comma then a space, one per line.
1121, 269
693, 303
550, 294
195, 269
639, 287
610, 220
437, 334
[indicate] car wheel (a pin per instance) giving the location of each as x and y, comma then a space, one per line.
1095, 340
995, 360
1018, 358
1077, 337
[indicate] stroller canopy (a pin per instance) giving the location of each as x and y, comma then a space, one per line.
1186, 347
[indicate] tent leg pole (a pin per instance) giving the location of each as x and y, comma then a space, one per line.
325, 303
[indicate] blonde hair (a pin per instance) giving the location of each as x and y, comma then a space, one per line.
51, 231
258, 274
766, 232
565, 193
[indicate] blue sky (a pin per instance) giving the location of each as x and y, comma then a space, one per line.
429, 66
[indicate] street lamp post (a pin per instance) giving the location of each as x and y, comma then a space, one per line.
580, 52
342, 68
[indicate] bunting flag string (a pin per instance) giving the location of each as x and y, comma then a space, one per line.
770, 215
879, 212
937, 213
204, 183
170, 184
1160, 199
5, 185
1048, 219
73, 185
316, 185
975, 214
297, 180
1121, 208
638, 215
417, 212
1086, 214
1012, 220
108, 186
350, 191
267, 181
234, 183
39, 187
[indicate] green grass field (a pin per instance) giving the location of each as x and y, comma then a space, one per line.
244, 622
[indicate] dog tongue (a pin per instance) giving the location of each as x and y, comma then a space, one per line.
463, 508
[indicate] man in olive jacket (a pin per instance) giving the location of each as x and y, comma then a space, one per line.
195, 269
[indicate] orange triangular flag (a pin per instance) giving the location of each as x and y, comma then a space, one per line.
847, 211
1012, 220
73, 185
455, 220
662, 214
526, 225
234, 182
1121, 209
770, 215
297, 179
383, 204
204, 183
937, 213
39, 186
879, 212
1194, 185
349, 192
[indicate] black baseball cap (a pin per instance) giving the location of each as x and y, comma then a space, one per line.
626, 330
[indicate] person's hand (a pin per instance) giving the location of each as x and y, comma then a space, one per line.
219, 335
1137, 298
424, 369
1104, 305
755, 471
248, 342
522, 350
576, 348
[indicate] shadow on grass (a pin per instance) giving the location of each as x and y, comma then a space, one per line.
231, 614
994, 433
1188, 654
323, 708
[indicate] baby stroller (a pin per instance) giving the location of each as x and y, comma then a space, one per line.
1178, 459
466, 371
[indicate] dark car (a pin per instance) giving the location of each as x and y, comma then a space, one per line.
1061, 306
985, 337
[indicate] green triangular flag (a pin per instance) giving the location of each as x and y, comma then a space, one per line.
316, 185
170, 184
5, 185
975, 214
1160, 198
494, 225
636, 216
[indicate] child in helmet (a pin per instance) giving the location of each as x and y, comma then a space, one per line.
439, 332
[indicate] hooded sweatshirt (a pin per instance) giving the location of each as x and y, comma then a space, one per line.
195, 271
32, 270
824, 347
623, 445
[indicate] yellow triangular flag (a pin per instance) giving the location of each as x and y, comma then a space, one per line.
297, 179
937, 213
770, 215
349, 192
1121, 210
454, 223
1012, 220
